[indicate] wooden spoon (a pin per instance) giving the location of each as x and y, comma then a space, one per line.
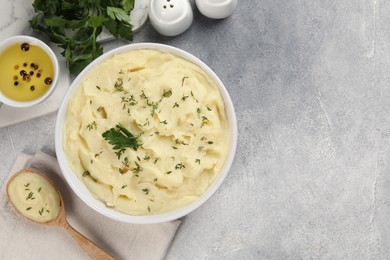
87, 245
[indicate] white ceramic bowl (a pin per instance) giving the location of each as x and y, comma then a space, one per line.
81, 190
31, 40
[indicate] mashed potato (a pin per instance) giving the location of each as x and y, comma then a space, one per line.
175, 111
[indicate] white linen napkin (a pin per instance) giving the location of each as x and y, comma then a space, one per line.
22, 239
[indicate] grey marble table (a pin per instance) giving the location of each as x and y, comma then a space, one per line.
311, 179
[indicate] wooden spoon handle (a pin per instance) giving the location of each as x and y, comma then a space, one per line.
89, 247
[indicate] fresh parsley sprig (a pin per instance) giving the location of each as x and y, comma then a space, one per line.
74, 26
121, 138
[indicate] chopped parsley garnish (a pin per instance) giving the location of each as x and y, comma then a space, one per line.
143, 96
86, 173
129, 100
30, 195
119, 85
137, 169
92, 125
197, 161
167, 93
182, 80
205, 121
179, 166
119, 153
177, 141
146, 190
125, 162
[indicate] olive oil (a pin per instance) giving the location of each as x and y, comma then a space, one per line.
26, 72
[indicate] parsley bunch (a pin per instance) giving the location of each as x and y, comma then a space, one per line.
75, 24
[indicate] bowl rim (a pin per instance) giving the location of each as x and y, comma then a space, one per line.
80, 188
56, 67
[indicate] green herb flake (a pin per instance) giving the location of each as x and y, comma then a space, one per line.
86, 173
174, 147
27, 209
30, 195
164, 122
119, 85
123, 186
98, 88
197, 161
146, 191
92, 126
184, 98
175, 105
97, 154
148, 208
125, 162
205, 121
119, 153
208, 108
177, 141
129, 100
200, 148
210, 142
39, 190
167, 93
40, 211
137, 169
168, 172
27, 184
143, 96
182, 81
179, 166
